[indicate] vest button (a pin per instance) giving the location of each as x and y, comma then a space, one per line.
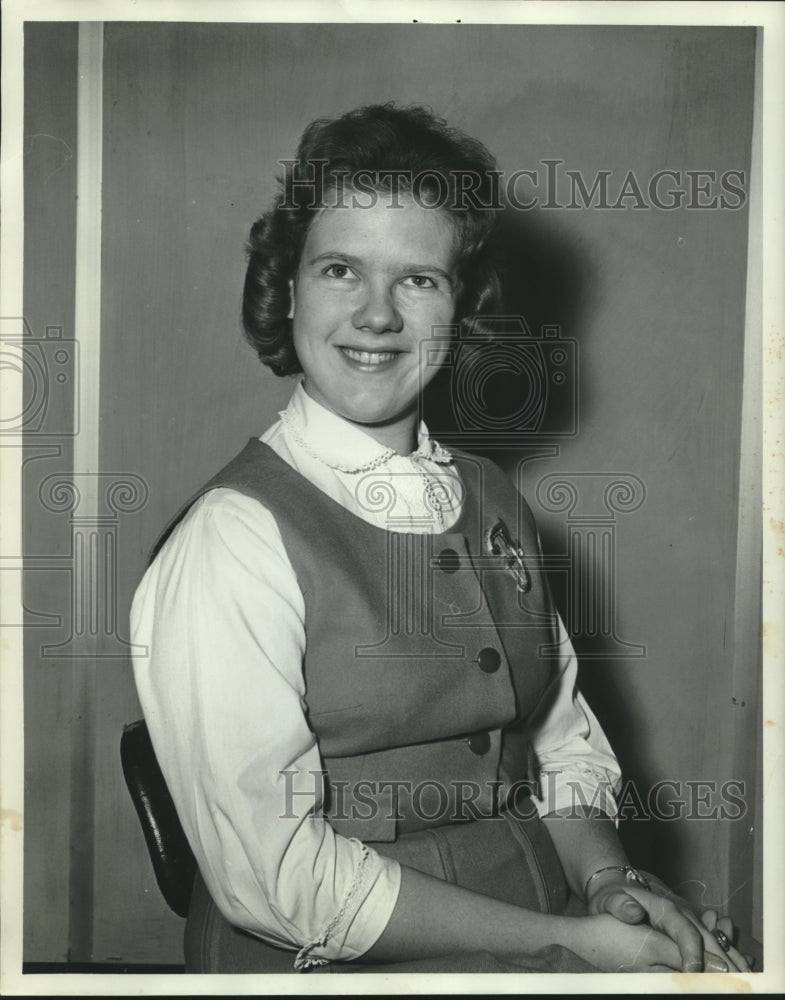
448, 561
480, 743
489, 660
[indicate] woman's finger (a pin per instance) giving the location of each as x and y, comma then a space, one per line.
709, 919
712, 945
739, 960
666, 917
623, 907
714, 963
725, 924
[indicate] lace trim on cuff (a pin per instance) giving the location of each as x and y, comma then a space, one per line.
596, 775
583, 784
304, 960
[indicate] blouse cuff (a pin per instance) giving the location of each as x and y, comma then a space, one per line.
576, 788
374, 889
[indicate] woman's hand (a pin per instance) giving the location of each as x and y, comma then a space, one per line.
615, 946
671, 915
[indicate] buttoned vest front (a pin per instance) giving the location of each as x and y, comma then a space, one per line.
424, 656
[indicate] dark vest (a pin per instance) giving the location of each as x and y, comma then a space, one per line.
423, 657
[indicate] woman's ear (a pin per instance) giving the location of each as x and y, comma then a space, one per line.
290, 314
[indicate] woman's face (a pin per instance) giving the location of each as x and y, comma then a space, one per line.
372, 284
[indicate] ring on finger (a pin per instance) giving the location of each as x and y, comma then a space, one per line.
722, 939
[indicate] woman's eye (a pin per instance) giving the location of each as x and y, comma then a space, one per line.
419, 281
341, 271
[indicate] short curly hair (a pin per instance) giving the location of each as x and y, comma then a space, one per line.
427, 158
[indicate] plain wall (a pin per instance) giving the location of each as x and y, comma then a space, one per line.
50, 216
195, 120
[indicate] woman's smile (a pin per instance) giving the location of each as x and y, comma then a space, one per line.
372, 360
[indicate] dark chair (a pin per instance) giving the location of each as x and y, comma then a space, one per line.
173, 862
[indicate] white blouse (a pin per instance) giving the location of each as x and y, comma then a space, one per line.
222, 620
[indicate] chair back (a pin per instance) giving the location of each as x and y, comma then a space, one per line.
173, 861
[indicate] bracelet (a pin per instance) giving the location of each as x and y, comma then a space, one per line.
627, 870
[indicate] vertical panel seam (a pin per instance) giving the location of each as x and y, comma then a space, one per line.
87, 331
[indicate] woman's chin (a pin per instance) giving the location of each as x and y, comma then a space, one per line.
374, 410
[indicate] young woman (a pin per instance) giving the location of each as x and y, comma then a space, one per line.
360, 694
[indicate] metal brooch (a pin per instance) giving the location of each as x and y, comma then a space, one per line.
500, 543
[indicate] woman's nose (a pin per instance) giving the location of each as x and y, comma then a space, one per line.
377, 312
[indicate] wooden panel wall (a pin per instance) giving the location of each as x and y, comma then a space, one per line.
195, 118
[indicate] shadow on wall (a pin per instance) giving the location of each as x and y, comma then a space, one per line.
652, 843
497, 391
547, 282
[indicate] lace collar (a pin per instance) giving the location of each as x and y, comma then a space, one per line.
342, 445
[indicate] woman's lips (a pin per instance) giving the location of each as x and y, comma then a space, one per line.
372, 358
